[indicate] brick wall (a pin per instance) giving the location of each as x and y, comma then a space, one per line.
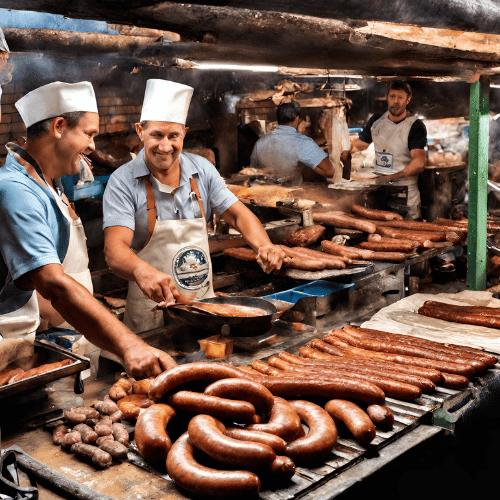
116, 114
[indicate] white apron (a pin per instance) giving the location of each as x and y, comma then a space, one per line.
24, 321
175, 247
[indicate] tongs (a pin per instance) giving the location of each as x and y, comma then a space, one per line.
494, 249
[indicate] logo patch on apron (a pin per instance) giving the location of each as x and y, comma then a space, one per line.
191, 268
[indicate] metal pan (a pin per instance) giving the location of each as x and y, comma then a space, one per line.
229, 325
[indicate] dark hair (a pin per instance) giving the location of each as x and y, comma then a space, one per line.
287, 112
399, 85
42, 127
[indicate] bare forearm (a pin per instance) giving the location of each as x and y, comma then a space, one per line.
358, 145
252, 231
124, 262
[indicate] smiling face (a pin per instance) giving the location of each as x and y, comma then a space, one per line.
163, 142
397, 100
75, 141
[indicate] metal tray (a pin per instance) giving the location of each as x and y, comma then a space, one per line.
54, 353
299, 274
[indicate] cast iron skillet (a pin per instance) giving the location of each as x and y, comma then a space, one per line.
238, 326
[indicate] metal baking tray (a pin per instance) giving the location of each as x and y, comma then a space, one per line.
54, 353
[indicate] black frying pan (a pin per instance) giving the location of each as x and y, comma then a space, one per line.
238, 326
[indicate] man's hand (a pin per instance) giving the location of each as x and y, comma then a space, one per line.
156, 285
270, 257
143, 361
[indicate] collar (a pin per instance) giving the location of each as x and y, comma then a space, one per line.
285, 128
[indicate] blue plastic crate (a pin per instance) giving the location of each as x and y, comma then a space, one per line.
93, 189
317, 288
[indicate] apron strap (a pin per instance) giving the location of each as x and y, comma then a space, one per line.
151, 208
194, 188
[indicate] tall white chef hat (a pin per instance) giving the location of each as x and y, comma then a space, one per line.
56, 99
166, 101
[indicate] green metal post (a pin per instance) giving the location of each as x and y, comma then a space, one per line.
478, 186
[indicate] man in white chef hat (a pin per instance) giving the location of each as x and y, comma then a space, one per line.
156, 208
42, 243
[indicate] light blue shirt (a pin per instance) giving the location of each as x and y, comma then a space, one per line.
285, 152
124, 201
33, 231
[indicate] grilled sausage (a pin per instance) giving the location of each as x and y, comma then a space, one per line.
442, 366
283, 421
304, 237
272, 440
460, 317
208, 435
131, 405
304, 263
39, 370
389, 256
8, 374
344, 221
454, 381
372, 213
481, 310
264, 368
388, 245
321, 438
120, 389
349, 252
241, 253
356, 420
243, 390
434, 376
151, 435
318, 254
381, 416
196, 478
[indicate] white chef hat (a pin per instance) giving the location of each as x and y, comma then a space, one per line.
166, 101
56, 99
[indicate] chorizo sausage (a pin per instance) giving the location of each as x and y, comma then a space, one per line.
481, 310
89, 436
304, 263
264, 368
243, 390
344, 221
283, 421
99, 457
39, 370
349, 252
59, 432
321, 438
356, 420
120, 433
283, 468
131, 405
241, 253
114, 448
372, 213
142, 386
208, 435
304, 237
277, 443
222, 408
460, 317
70, 438
80, 414
120, 389
106, 407
381, 416
196, 478
389, 256
331, 261
151, 435
406, 246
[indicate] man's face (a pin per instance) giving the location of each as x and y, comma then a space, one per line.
77, 140
163, 142
397, 100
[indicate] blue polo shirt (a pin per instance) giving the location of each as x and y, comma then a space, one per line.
33, 231
124, 201
285, 152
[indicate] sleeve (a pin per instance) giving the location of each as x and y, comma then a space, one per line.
26, 237
417, 137
366, 134
219, 196
309, 153
118, 204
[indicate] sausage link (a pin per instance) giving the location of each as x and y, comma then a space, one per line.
142, 386
373, 213
98, 456
388, 246
241, 253
321, 438
243, 390
454, 381
89, 436
264, 368
356, 420
304, 237
349, 252
103, 439
120, 433
106, 407
39, 370
460, 317
275, 442
208, 435
304, 263
283, 468
59, 432
120, 389
318, 254
103, 428
196, 478
131, 405
344, 221
151, 435
389, 256
329, 261
70, 438
80, 414
381, 416
222, 408
114, 448
283, 421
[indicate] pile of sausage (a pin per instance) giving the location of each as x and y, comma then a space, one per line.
93, 433
470, 315
21, 371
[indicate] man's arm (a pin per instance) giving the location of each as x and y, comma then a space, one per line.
358, 145
325, 168
123, 261
79, 308
269, 256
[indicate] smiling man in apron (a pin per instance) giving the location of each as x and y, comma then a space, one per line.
156, 208
42, 242
399, 139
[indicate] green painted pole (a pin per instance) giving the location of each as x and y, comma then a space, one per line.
478, 185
